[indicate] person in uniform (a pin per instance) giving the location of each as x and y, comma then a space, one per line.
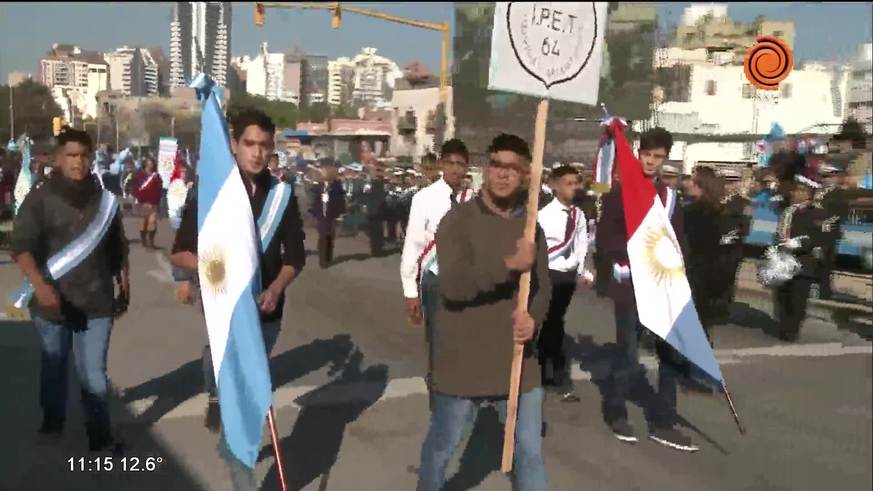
328, 202
374, 203
670, 173
565, 227
73, 309
147, 189
419, 269
655, 145
833, 199
281, 261
799, 231
482, 255
735, 221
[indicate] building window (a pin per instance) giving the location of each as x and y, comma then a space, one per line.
710, 87
786, 91
748, 91
778, 34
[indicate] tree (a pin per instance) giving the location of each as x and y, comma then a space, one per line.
34, 109
283, 114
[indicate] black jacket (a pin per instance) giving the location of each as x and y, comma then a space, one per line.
803, 221
336, 204
611, 239
835, 204
50, 218
703, 234
285, 249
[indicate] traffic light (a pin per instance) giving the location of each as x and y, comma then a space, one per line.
335, 15
57, 122
260, 13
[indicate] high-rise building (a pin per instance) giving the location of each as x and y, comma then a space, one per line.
200, 41
275, 76
371, 77
133, 71
74, 77
859, 101
315, 79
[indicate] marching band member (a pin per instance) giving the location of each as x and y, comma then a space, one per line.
735, 221
418, 263
833, 200
799, 231
147, 190
328, 202
69, 241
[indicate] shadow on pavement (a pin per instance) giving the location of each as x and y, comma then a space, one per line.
482, 454
600, 360
29, 461
350, 257
312, 448
186, 381
744, 315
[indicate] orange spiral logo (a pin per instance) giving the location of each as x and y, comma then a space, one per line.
768, 63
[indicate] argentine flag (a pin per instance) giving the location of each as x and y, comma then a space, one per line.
227, 249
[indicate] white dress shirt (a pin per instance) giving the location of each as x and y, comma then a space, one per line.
566, 254
429, 206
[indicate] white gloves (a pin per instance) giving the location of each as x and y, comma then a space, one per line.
792, 244
729, 238
620, 272
586, 275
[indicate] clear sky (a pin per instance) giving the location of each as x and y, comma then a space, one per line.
27, 30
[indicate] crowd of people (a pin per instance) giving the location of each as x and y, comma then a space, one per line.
462, 258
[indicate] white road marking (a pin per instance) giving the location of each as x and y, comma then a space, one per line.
399, 388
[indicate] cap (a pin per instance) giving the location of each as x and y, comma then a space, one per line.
806, 181
828, 168
670, 169
731, 175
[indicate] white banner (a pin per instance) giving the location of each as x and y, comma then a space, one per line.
548, 49
167, 158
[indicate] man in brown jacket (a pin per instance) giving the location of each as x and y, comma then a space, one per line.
482, 255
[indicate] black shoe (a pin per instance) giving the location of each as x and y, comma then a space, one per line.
624, 431
50, 431
212, 421
669, 437
789, 337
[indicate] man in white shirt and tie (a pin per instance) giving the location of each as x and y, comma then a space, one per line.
566, 231
418, 264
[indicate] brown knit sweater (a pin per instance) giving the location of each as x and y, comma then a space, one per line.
473, 342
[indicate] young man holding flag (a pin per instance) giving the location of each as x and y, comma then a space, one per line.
279, 254
69, 241
482, 256
640, 228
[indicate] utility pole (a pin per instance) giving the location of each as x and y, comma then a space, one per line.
11, 114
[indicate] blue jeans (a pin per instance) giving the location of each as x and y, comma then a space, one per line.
628, 378
271, 335
449, 417
90, 344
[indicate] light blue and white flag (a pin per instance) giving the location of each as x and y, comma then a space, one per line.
25, 177
228, 244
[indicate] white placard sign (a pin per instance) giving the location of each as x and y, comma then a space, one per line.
548, 49
166, 158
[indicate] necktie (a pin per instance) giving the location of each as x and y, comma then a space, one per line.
568, 230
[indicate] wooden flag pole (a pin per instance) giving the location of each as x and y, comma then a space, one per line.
727, 396
274, 435
536, 171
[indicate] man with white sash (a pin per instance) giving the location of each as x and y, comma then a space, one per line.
69, 241
566, 230
418, 263
279, 225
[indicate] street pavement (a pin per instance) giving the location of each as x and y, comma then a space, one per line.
352, 409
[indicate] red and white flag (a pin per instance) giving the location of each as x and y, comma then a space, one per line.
663, 295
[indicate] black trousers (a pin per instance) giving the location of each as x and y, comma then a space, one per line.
376, 233
551, 342
829, 259
790, 304
731, 266
325, 250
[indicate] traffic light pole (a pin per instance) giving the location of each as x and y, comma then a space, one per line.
11, 114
